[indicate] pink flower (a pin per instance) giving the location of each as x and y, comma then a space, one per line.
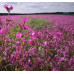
18, 47
39, 34
31, 42
11, 7
2, 31
62, 59
59, 33
12, 61
13, 19
29, 60
25, 19
45, 43
26, 26
18, 35
17, 42
5, 54
8, 8
5, 6
34, 36
4, 58
33, 32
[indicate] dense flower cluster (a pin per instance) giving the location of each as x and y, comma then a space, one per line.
26, 48
8, 8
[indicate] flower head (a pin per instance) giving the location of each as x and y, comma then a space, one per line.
4, 58
8, 8
18, 47
18, 35
13, 19
25, 19
33, 32
11, 7
34, 36
26, 26
5, 54
58, 33
31, 42
5, 6
2, 31
17, 42
40, 34
45, 43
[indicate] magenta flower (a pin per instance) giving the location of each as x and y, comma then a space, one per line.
8, 8
4, 58
5, 6
25, 19
2, 31
31, 42
62, 59
12, 61
59, 33
26, 26
11, 7
17, 42
18, 47
5, 53
33, 32
29, 60
13, 19
45, 43
18, 35
39, 34
34, 36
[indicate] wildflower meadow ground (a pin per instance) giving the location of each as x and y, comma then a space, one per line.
36, 42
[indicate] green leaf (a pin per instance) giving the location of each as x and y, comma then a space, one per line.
40, 49
24, 70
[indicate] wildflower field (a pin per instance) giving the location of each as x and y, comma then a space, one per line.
37, 43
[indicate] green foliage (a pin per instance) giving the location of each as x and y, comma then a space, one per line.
13, 31
1, 58
54, 52
37, 22
27, 38
14, 49
41, 49
5, 65
24, 70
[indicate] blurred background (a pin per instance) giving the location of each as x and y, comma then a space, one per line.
38, 7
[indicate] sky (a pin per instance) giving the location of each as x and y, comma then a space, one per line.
38, 7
